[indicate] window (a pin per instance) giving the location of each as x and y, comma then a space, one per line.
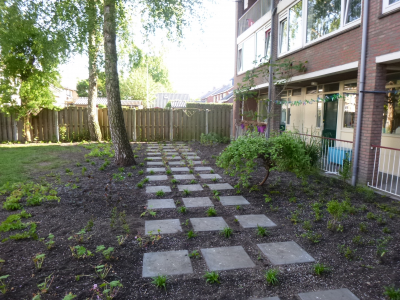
285, 111
319, 112
389, 5
353, 10
267, 53
296, 92
260, 46
349, 110
333, 87
240, 59
246, 4
323, 17
391, 113
248, 54
311, 90
290, 29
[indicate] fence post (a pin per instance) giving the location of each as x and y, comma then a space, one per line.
206, 121
171, 125
134, 125
56, 126
15, 130
231, 124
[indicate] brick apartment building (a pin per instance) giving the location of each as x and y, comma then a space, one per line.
222, 94
329, 36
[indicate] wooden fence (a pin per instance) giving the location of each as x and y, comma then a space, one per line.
142, 125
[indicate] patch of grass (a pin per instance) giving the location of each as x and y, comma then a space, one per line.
160, 193
182, 209
261, 231
160, 281
211, 212
191, 234
23, 163
226, 232
271, 276
186, 192
212, 277
194, 254
319, 269
392, 292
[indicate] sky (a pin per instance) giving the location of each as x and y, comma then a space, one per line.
203, 60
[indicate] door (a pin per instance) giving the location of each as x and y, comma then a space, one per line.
330, 118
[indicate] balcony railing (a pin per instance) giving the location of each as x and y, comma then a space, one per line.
253, 14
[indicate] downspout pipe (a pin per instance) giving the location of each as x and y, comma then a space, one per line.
271, 61
360, 93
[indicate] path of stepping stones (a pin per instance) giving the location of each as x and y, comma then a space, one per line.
217, 258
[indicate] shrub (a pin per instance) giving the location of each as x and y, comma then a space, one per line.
213, 138
280, 152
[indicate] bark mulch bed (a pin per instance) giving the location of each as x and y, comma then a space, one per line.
362, 272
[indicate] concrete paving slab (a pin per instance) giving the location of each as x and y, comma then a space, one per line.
169, 150
192, 157
221, 186
267, 298
155, 163
203, 168
227, 258
189, 153
173, 158
184, 177
161, 203
197, 202
284, 253
196, 162
208, 224
251, 221
232, 200
154, 157
157, 177
183, 169
153, 153
156, 188
190, 187
339, 294
177, 163
165, 226
155, 169
166, 263
210, 176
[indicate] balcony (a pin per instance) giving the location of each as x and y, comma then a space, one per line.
253, 14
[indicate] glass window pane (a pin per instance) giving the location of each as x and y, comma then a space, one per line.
288, 113
295, 21
391, 113
323, 17
283, 37
353, 10
319, 112
350, 86
240, 60
283, 114
248, 54
311, 90
260, 46
267, 48
333, 87
296, 92
349, 110
393, 1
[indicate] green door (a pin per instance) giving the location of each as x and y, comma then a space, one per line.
330, 117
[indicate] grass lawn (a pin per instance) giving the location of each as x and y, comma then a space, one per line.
20, 163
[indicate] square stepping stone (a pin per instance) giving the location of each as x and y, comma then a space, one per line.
184, 177
153, 153
267, 298
203, 168
155, 169
210, 176
227, 258
165, 226
157, 177
222, 186
154, 158
284, 253
251, 221
196, 162
166, 263
189, 153
176, 163
161, 203
173, 158
155, 163
156, 188
197, 202
208, 224
192, 157
169, 150
183, 169
339, 294
190, 187
232, 200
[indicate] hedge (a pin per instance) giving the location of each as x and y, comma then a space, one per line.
208, 105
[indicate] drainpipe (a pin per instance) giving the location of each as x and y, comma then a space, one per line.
361, 88
271, 60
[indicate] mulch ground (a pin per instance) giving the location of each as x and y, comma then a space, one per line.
363, 273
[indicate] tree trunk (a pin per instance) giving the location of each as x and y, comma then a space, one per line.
123, 151
27, 129
94, 127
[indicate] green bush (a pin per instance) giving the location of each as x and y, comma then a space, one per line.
213, 138
281, 152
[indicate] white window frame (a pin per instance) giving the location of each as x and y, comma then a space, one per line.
386, 7
240, 58
245, 4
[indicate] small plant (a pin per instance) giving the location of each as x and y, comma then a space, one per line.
122, 169
392, 292
312, 237
102, 270
160, 281
194, 254
92, 163
141, 165
113, 217
118, 176
140, 172
149, 211
152, 172
386, 230
107, 253
261, 231
160, 193
212, 277
211, 212
363, 227
267, 199
45, 286
140, 185
67, 170
174, 181
381, 246
319, 269
381, 220
186, 192
3, 284
226, 232
271, 276
169, 172
294, 217
110, 289
121, 239
307, 225
215, 179
133, 167
370, 216
129, 174
38, 260
182, 209
80, 252
238, 207
50, 241
191, 234
347, 252
84, 169
292, 199
193, 181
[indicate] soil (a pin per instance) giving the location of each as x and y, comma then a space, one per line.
364, 274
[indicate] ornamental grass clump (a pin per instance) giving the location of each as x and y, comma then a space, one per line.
280, 152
